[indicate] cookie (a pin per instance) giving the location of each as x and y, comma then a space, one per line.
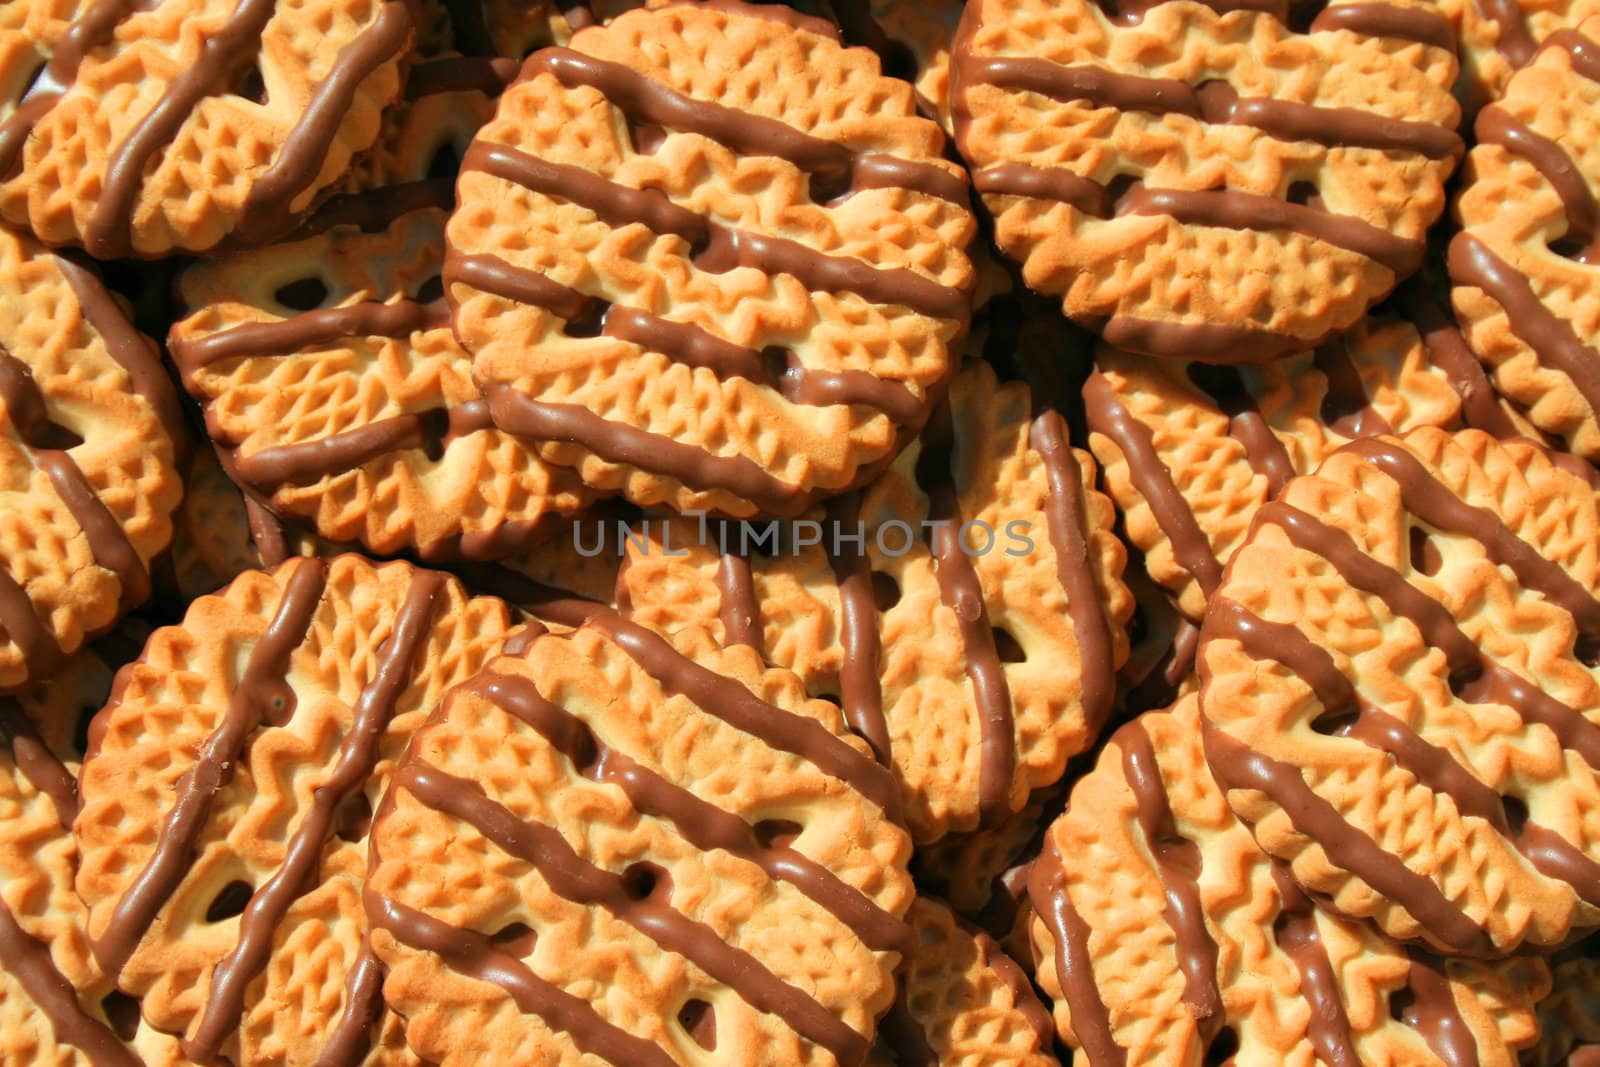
1396, 673
1202, 185
227, 793
912, 41
137, 129
963, 1002
1497, 38
1165, 936
88, 423
1191, 452
966, 610
331, 381
1527, 288
56, 1007
641, 852
711, 259
1569, 1018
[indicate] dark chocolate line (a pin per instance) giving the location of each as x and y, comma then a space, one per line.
1513, 38
1420, 24
1045, 183
29, 962
305, 462
737, 706
860, 687
308, 330
739, 609
358, 754
1346, 408
1584, 52
1153, 478
1216, 103
1328, 1026
41, 767
1447, 350
493, 275
1068, 520
261, 695
575, 879
484, 74
902, 1034
702, 824
1209, 342
351, 1039
375, 210
1495, 125
1262, 449
1433, 1013
1091, 1018
474, 955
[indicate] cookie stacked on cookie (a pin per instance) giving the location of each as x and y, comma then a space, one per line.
1016, 532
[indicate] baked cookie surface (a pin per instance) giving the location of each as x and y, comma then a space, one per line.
227, 794
711, 259
1396, 677
640, 852
1208, 185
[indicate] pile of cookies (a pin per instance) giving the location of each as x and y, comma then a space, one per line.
1016, 532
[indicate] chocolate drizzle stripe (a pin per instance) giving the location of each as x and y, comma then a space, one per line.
1246, 425
1212, 342
1433, 1013
1236, 210
1420, 24
575, 879
616, 442
1429, 500
1447, 350
1240, 767
23, 626
1434, 767
473, 954
702, 824
722, 248
1178, 866
1552, 339
1068, 521
1091, 1018
269, 204
305, 462
642, 98
375, 210
262, 694
488, 75
1495, 125
739, 610
1513, 39
737, 706
860, 688
903, 1034
358, 754
1153, 479
108, 232
1346, 408
544, 601
493, 275
1328, 1026
1045, 183
41, 767
309, 330
1584, 53
28, 961
351, 1039
1216, 103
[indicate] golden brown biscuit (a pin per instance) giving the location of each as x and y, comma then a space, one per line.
137, 129
88, 425
1497, 38
1165, 936
966, 610
643, 853
1525, 266
1398, 683
227, 792
912, 41
710, 258
1208, 185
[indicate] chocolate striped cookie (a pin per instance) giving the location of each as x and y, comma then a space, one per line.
88, 425
1165, 936
332, 384
912, 41
711, 259
966, 611
1207, 184
227, 794
1497, 38
138, 128
1191, 452
1397, 673
643, 853
1526, 266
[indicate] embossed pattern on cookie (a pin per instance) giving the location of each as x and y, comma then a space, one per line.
153, 127
227, 794
1497, 38
698, 283
1203, 185
1165, 936
643, 851
88, 425
1526, 266
1397, 677
976, 586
